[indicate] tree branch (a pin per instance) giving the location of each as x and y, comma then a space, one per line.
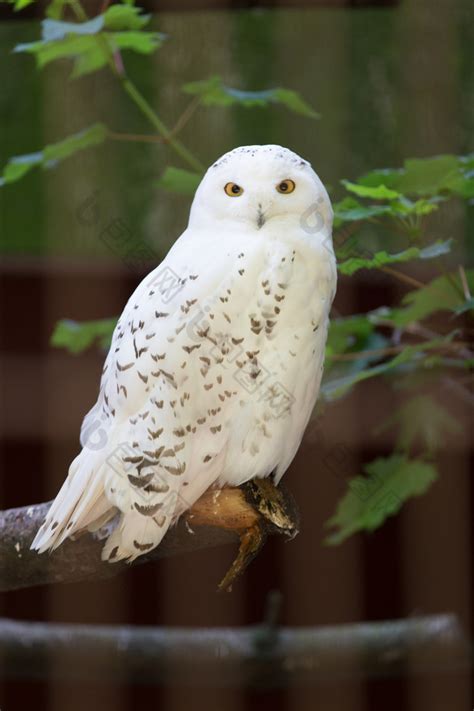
249, 513
232, 657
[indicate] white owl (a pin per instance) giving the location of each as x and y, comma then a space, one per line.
216, 360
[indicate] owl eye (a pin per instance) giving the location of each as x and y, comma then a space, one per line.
233, 190
286, 186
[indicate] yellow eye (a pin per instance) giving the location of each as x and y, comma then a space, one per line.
286, 186
233, 190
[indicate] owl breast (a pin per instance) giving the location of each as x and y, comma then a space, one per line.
272, 355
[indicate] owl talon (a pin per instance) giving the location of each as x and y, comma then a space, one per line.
276, 511
274, 504
251, 541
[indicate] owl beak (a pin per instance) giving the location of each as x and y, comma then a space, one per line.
260, 217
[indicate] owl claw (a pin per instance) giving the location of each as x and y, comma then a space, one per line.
274, 504
251, 541
276, 510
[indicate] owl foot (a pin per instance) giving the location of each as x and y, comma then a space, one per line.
275, 505
276, 513
251, 541
252, 512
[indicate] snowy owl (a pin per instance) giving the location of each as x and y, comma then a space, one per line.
216, 361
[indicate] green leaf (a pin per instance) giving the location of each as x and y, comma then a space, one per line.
421, 419
55, 9
125, 17
351, 210
177, 180
356, 336
429, 176
466, 306
390, 177
141, 42
92, 136
381, 192
345, 333
71, 47
426, 176
18, 4
403, 207
81, 41
379, 259
116, 18
18, 166
213, 92
94, 57
441, 294
53, 30
388, 483
334, 388
436, 249
77, 337
293, 101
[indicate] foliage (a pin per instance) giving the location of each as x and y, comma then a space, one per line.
421, 420
443, 293
78, 337
380, 259
177, 180
388, 483
53, 154
90, 43
19, 4
427, 177
213, 92
420, 338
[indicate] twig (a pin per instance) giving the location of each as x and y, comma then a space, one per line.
117, 68
458, 388
219, 517
346, 232
143, 105
403, 277
136, 137
232, 657
185, 116
390, 350
143, 138
465, 285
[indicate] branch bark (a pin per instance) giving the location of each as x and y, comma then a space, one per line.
263, 655
248, 514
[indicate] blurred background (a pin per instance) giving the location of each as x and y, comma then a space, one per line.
390, 80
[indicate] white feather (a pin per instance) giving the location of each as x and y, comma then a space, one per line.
216, 361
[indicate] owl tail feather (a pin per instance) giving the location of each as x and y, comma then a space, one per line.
80, 503
133, 536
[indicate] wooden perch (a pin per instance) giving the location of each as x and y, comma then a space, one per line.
262, 655
249, 513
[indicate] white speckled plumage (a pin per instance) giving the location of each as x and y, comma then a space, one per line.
216, 360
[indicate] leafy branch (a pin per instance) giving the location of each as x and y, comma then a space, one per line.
97, 43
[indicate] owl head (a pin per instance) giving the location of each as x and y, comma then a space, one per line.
262, 188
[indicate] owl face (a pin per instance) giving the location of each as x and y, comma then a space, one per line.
259, 187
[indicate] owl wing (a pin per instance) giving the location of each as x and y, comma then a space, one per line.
156, 438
